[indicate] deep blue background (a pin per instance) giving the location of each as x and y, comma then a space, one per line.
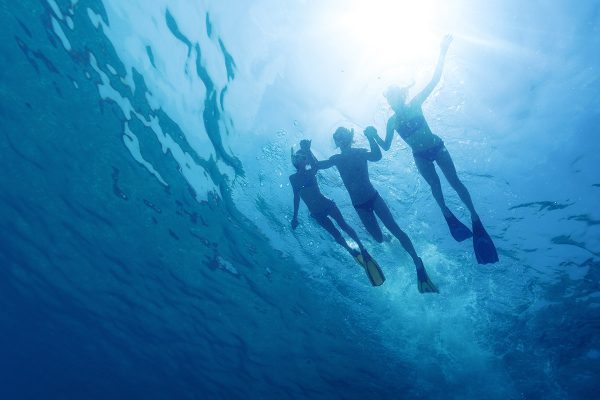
113, 285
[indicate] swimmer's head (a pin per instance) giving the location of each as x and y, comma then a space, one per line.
343, 137
396, 95
299, 159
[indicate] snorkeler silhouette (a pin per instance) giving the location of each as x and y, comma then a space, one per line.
305, 187
409, 122
352, 165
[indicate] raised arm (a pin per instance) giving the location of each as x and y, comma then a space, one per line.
375, 153
424, 94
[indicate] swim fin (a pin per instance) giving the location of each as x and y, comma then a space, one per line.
485, 251
424, 283
372, 269
458, 230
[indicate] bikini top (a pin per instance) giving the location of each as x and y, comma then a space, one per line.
406, 127
304, 180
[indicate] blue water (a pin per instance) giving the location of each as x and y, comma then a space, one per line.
145, 246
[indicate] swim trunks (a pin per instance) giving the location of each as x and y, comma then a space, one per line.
369, 204
431, 153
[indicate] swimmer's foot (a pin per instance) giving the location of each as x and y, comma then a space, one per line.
424, 283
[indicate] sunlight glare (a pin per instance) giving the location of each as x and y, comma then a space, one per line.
377, 43
391, 31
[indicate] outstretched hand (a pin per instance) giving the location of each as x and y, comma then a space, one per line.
370, 132
446, 42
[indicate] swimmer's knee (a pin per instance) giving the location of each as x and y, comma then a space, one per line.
433, 182
337, 235
396, 230
344, 226
456, 183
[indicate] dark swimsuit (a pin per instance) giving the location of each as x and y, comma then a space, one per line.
408, 127
432, 153
369, 204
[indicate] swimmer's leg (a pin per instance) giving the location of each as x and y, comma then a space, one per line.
444, 161
427, 170
326, 223
370, 222
337, 216
385, 215
424, 284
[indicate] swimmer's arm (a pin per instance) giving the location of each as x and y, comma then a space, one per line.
375, 153
296, 206
316, 164
312, 161
437, 75
389, 135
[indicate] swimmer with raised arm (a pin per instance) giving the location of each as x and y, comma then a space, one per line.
305, 187
352, 164
408, 120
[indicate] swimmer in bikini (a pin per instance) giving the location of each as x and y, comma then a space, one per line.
408, 120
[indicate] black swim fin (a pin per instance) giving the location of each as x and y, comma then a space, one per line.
424, 283
485, 251
372, 269
458, 230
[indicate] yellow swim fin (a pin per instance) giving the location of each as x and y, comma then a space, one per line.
374, 272
424, 283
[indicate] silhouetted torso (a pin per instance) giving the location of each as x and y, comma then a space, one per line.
305, 184
413, 129
354, 170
